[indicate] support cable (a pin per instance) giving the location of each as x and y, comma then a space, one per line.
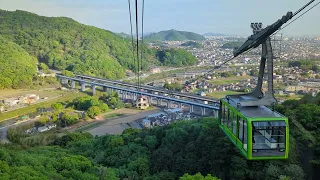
137, 36
297, 17
218, 66
142, 22
132, 42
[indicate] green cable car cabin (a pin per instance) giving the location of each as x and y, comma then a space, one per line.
258, 132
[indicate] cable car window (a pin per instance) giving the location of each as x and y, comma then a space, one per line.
223, 115
226, 114
245, 135
268, 138
229, 119
240, 130
234, 124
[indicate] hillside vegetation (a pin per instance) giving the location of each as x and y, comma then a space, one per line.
174, 35
192, 147
192, 44
17, 68
64, 44
176, 57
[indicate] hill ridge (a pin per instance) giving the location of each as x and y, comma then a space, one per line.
174, 35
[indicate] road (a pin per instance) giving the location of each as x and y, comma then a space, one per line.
4, 129
116, 126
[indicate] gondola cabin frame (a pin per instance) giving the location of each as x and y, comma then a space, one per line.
270, 128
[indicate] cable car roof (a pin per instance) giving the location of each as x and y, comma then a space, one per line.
256, 111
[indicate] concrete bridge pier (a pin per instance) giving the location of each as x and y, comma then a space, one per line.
191, 108
125, 95
122, 95
64, 81
169, 104
73, 84
203, 111
83, 87
105, 89
180, 105
93, 89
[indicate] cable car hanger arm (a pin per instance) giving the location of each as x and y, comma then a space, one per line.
260, 36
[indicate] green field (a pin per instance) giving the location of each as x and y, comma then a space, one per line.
5, 93
285, 97
113, 115
95, 124
33, 108
229, 80
222, 94
89, 126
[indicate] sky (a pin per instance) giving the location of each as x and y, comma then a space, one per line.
231, 17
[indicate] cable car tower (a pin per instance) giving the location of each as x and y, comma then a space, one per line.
256, 130
260, 37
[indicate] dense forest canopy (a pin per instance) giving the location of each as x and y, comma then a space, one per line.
169, 152
17, 68
174, 35
64, 44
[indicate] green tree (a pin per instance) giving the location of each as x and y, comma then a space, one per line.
226, 74
67, 73
93, 111
44, 68
17, 66
104, 107
173, 86
70, 118
197, 176
176, 58
4, 167
150, 141
110, 174
57, 106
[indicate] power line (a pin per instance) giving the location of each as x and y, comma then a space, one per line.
137, 36
219, 66
142, 24
132, 42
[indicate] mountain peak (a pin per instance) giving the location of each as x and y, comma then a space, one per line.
174, 35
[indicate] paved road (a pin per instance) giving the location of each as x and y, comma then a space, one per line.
4, 129
116, 126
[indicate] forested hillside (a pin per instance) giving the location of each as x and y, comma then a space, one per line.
17, 68
197, 146
63, 43
176, 57
305, 111
174, 35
